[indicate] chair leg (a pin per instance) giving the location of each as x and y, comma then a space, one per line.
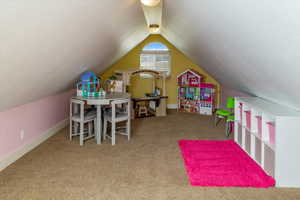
76, 128
71, 129
104, 129
226, 129
95, 129
128, 129
113, 133
81, 134
216, 119
90, 128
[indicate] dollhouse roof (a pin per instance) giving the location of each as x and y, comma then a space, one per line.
191, 71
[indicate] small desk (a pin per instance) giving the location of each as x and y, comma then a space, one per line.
98, 102
160, 104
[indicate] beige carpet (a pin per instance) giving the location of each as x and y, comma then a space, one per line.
149, 166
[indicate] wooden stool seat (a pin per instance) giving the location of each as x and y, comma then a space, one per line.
143, 110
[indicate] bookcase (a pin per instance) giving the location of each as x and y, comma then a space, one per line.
269, 133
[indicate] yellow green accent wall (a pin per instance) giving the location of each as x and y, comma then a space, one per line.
179, 63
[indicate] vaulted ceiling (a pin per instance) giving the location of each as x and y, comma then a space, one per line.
251, 46
46, 45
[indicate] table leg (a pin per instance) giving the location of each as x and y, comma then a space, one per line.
99, 124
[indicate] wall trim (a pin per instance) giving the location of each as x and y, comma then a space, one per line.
172, 106
11, 158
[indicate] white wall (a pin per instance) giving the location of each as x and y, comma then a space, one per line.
227, 92
24, 127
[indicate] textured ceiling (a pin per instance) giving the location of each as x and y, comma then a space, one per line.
46, 45
251, 46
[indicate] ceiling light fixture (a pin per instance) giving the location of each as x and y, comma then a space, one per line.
150, 3
154, 28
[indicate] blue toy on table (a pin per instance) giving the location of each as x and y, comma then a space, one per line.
89, 85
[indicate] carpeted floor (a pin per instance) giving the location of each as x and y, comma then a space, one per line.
149, 166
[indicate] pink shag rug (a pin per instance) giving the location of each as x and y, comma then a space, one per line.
221, 164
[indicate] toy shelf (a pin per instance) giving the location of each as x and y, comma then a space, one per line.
268, 132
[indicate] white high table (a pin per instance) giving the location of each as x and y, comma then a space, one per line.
98, 102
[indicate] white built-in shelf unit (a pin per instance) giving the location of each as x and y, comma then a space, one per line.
270, 134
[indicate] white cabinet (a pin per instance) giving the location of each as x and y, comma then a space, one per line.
269, 160
269, 133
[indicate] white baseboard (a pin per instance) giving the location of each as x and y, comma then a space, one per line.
8, 160
172, 106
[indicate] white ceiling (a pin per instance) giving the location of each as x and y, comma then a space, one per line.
252, 45
45, 45
153, 15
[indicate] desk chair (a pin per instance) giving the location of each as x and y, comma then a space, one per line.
120, 112
79, 116
224, 114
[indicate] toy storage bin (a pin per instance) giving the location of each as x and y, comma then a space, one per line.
271, 128
248, 119
259, 125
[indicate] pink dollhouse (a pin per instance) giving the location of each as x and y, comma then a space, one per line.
190, 77
194, 95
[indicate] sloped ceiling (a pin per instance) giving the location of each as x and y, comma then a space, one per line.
45, 45
251, 46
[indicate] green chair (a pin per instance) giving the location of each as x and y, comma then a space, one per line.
224, 114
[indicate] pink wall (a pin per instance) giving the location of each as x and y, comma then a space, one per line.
34, 118
226, 92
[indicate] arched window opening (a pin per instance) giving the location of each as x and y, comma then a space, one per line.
155, 56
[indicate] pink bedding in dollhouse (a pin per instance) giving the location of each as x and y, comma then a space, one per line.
221, 164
